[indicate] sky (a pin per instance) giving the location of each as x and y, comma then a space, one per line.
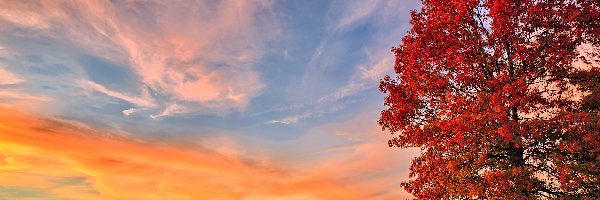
246, 99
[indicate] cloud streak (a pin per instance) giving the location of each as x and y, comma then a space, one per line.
144, 101
354, 12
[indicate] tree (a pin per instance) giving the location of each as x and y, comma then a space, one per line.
502, 98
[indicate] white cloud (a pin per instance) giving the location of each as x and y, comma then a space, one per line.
144, 101
353, 12
290, 119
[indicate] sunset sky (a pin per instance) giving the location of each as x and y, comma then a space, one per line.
241, 99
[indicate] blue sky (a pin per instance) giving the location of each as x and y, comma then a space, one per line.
289, 84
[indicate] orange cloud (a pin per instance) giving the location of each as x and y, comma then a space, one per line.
48, 155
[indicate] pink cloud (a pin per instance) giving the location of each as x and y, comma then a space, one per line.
200, 55
9, 78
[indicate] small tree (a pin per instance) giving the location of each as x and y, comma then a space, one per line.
489, 91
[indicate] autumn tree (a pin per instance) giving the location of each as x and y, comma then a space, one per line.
502, 98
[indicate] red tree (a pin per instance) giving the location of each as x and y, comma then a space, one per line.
491, 92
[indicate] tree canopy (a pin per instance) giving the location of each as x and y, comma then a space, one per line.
502, 97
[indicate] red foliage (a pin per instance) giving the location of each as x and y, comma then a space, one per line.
485, 88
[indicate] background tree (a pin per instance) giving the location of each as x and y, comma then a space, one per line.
501, 96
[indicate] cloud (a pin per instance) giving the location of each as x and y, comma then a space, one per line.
16, 97
169, 110
143, 101
129, 111
366, 77
71, 160
356, 152
290, 119
387, 17
8, 78
352, 13
23, 100
353, 55
198, 54
115, 167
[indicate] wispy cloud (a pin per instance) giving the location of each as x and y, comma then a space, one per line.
355, 152
16, 97
386, 16
199, 55
352, 13
23, 100
365, 77
379, 62
281, 131
378, 26
8, 78
169, 110
142, 101
105, 166
290, 119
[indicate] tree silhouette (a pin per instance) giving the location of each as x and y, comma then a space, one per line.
501, 96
